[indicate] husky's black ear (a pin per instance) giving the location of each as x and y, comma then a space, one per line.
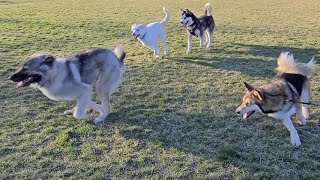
248, 86
258, 94
48, 59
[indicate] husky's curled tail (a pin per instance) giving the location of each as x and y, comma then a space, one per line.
287, 64
208, 9
167, 17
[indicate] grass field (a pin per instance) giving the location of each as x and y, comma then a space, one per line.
172, 118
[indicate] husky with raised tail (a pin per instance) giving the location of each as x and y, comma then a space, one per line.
202, 26
285, 95
73, 78
148, 34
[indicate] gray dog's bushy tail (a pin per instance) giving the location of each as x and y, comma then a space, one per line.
287, 64
208, 9
119, 52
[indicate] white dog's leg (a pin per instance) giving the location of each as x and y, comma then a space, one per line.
295, 139
163, 39
189, 43
201, 41
156, 51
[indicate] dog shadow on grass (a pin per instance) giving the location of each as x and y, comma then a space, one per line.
303, 55
222, 139
253, 60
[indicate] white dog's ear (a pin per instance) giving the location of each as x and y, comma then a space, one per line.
248, 86
133, 26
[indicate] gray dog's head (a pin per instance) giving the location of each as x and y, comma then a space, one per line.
36, 69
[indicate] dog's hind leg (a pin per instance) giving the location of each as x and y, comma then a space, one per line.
206, 36
300, 116
156, 51
106, 106
305, 97
163, 39
295, 139
209, 39
202, 40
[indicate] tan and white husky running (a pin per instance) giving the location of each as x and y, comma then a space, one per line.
281, 97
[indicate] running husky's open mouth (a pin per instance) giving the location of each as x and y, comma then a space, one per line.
24, 80
247, 114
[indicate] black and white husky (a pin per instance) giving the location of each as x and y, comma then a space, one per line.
200, 27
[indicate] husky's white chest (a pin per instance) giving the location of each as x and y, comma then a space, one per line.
58, 94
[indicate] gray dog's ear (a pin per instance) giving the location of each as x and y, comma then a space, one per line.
248, 86
48, 59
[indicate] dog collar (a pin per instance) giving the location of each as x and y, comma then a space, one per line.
143, 36
193, 28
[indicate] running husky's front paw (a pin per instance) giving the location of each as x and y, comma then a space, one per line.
69, 112
295, 140
80, 115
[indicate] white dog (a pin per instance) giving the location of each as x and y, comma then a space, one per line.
148, 34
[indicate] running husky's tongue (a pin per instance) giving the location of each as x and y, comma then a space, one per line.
23, 83
246, 115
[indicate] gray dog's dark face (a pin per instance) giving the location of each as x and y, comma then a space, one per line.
35, 69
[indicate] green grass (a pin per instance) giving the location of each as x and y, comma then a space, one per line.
172, 118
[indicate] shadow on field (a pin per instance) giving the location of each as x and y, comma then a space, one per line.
201, 133
303, 55
255, 66
249, 66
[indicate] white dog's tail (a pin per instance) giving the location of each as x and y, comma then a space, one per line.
208, 9
119, 52
167, 17
287, 64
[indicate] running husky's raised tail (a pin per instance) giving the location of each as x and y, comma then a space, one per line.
287, 64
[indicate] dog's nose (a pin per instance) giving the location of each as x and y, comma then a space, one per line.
132, 34
238, 112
